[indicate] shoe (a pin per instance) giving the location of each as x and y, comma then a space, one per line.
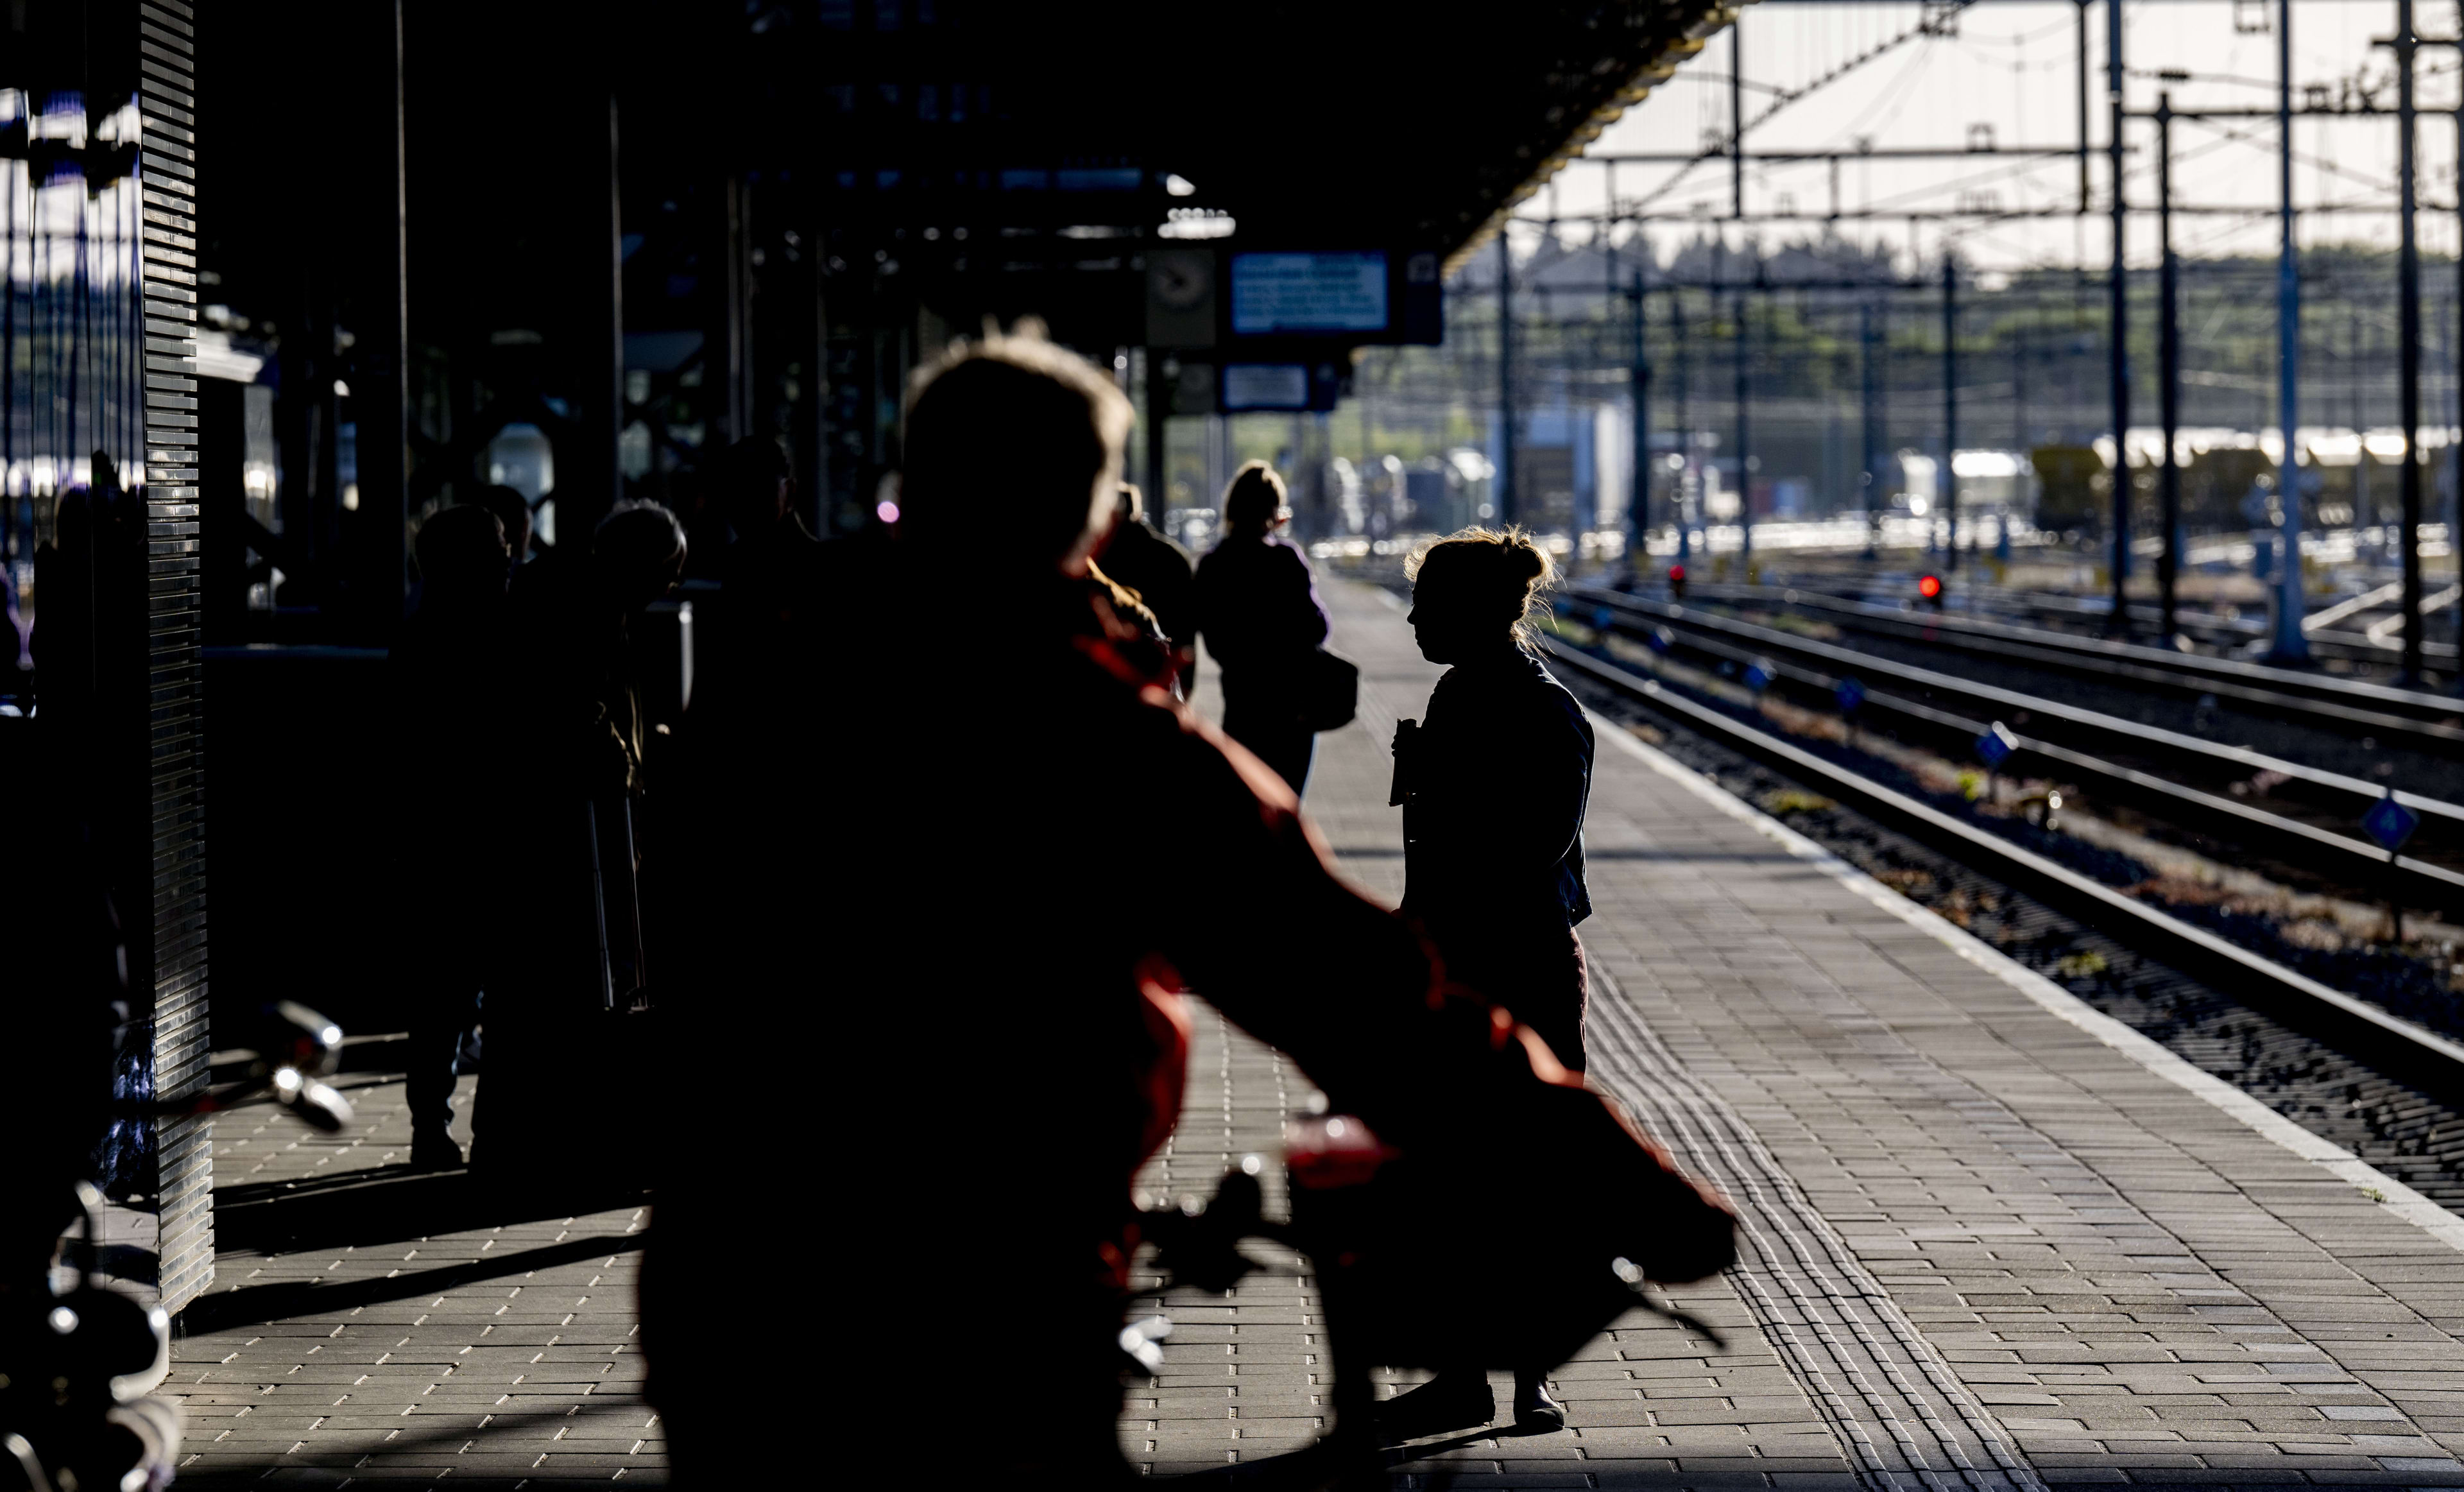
1448, 1401
434, 1153
1534, 1409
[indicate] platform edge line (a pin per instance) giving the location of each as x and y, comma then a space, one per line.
2395, 1197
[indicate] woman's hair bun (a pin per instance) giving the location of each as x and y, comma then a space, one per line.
1498, 572
1525, 558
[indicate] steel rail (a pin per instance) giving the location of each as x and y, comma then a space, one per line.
1822, 666
2351, 707
2353, 1024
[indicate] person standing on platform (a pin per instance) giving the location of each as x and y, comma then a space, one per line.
571, 841
1257, 607
453, 688
1493, 789
1159, 572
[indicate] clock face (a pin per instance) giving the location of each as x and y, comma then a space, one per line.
1183, 281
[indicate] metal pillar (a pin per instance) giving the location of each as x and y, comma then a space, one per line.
1159, 493
379, 556
1950, 402
2168, 564
2409, 339
1505, 503
2119, 352
2290, 645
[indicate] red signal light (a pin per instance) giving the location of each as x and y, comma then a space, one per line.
1930, 589
1677, 579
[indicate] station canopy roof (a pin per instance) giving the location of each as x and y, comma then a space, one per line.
1304, 121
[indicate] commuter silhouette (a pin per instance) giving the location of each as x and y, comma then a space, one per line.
1493, 789
1258, 610
752, 636
452, 687
923, 985
1157, 571
573, 841
513, 511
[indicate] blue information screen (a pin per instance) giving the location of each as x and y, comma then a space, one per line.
1283, 294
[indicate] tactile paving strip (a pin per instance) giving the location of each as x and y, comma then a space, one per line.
1901, 1414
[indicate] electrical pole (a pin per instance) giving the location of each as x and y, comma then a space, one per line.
2082, 107
1504, 490
1639, 510
2119, 353
1745, 436
1685, 427
2290, 645
1737, 116
1950, 402
2408, 337
1737, 211
2169, 563
1871, 434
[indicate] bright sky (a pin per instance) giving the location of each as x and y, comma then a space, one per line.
2012, 68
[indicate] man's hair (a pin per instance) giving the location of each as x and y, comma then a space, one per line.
639, 537
1254, 498
512, 509
754, 467
461, 548
1015, 443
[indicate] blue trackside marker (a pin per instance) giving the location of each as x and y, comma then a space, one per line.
2391, 823
1603, 618
1759, 674
1851, 696
1996, 746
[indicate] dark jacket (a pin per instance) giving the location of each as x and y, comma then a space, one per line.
1159, 571
1258, 610
1494, 786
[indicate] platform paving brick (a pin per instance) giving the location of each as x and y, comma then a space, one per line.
435, 1362
2125, 1283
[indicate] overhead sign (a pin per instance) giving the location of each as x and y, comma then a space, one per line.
1281, 295
1265, 385
1312, 387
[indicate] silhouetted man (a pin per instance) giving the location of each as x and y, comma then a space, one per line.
590, 742
454, 690
754, 636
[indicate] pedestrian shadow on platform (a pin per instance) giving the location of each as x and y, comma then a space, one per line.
380, 1206
1326, 1464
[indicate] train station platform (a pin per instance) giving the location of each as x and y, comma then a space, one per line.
368, 1326
1991, 1237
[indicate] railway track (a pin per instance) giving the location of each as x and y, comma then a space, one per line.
2345, 706
2305, 822
2346, 639
2384, 1086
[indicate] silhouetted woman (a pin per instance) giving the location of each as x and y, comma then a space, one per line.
1259, 612
1494, 786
